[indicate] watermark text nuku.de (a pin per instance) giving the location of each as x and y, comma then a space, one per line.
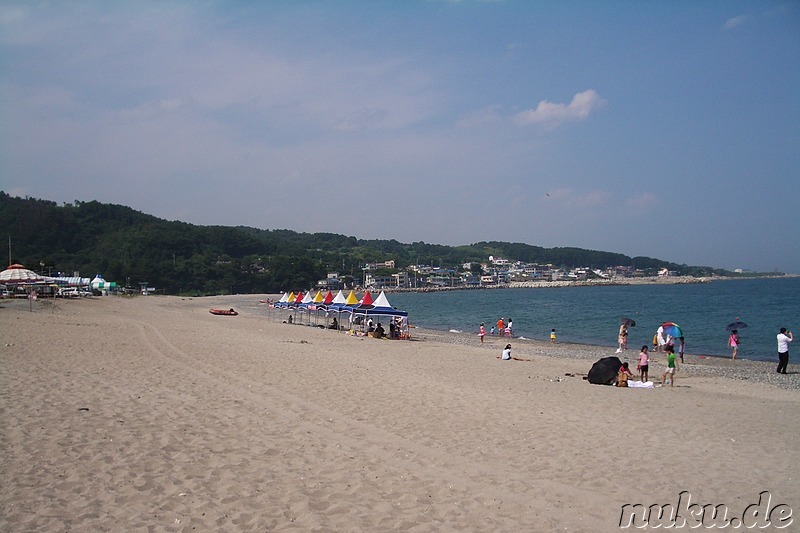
686, 514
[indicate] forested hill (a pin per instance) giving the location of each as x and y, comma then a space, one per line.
128, 246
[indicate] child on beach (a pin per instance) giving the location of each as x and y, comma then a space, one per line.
553, 336
622, 338
623, 374
681, 348
482, 333
672, 367
491, 331
655, 343
644, 364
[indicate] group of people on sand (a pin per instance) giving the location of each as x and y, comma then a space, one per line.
397, 328
503, 329
661, 343
643, 367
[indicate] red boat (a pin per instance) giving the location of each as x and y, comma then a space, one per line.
224, 312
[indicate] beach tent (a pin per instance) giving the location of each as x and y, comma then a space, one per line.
307, 303
72, 281
338, 301
316, 306
380, 306
18, 276
604, 371
366, 299
100, 284
288, 304
17, 273
328, 300
352, 301
280, 303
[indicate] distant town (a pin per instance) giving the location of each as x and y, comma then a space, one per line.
496, 272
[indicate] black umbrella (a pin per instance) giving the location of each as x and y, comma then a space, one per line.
735, 325
627, 322
604, 371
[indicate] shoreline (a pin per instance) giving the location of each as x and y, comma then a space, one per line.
696, 364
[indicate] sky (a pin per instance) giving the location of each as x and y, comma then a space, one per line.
667, 129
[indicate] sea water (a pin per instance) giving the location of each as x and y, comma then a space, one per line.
591, 315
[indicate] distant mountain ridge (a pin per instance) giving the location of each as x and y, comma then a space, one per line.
130, 247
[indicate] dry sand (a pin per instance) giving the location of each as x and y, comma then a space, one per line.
150, 414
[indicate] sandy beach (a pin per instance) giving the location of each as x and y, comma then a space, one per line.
151, 414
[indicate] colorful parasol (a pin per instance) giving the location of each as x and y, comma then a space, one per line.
672, 329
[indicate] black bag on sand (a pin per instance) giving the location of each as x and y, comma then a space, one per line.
604, 371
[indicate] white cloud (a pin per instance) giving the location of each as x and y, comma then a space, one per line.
642, 202
549, 113
734, 22
487, 115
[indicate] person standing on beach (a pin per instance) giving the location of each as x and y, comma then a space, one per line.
784, 338
553, 336
622, 338
482, 332
501, 327
510, 328
733, 343
672, 367
644, 364
660, 339
681, 347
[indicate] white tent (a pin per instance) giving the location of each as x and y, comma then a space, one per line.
17, 273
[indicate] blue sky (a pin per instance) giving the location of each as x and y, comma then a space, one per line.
667, 129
